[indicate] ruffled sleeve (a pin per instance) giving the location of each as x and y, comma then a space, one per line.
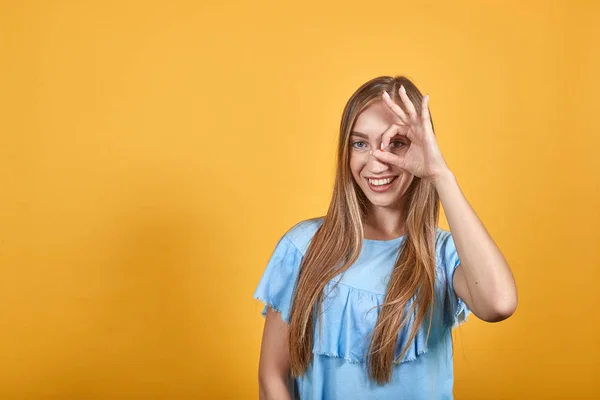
457, 311
276, 287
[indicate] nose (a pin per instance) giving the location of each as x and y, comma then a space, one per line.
376, 166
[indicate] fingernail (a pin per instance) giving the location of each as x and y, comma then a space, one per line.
385, 93
370, 151
427, 98
402, 88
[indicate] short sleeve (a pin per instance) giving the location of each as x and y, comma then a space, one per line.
457, 311
276, 287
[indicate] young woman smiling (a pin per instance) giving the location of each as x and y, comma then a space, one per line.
360, 303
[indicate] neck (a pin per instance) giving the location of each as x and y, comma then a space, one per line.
383, 223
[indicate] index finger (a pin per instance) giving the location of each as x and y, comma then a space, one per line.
393, 130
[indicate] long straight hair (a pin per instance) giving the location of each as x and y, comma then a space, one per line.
338, 242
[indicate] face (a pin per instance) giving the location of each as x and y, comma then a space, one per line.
371, 174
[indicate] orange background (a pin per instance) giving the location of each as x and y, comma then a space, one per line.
152, 153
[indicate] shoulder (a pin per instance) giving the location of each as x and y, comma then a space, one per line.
301, 233
441, 237
446, 253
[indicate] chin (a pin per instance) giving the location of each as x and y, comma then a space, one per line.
383, 203
382, 200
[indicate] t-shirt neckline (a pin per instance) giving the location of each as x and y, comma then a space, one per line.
385, 242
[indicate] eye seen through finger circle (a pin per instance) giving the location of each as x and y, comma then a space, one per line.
399, 144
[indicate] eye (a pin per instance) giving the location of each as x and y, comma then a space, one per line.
354, 144
399, 143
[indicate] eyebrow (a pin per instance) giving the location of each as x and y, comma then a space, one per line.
359, 134
365, 136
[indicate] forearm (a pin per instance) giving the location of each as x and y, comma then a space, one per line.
488, 277
273, 388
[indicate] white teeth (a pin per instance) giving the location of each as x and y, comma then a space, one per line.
379, 182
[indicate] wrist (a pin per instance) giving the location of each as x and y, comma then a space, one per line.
441, 177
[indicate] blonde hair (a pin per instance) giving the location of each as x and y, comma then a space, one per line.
338, 242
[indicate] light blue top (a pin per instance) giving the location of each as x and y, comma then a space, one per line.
338, 369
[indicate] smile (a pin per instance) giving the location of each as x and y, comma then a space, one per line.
380, 185
379, 182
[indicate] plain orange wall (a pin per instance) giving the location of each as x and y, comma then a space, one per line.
152, 153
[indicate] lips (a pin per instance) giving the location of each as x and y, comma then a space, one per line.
381, 188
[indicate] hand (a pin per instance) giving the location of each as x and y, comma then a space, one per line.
423, 157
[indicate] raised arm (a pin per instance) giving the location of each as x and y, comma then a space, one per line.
483, 279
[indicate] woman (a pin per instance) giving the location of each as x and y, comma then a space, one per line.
360, 303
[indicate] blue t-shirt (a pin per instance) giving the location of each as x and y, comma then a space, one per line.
338, 369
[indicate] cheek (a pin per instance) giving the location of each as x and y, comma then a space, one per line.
356, 165
407, 179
